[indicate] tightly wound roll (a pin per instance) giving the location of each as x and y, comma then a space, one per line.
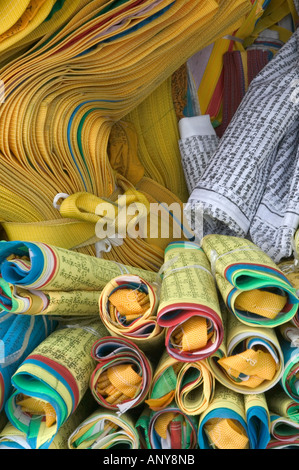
128, 306
123, 375
234, 421
19, 335
251, 284
250, 359
167, 429
51, 382
41, 279
105, 430
189, 307
190, 385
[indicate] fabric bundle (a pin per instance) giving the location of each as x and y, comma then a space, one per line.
27, 21
250, 360
19, 336
51, 382
283, 429
190, 385
189, 307
13, 438
234, 421
252, 286
249, 186
40, 279
290, 377
128, 306
281, 404
122, 376
284, 415
105, 430
167, 429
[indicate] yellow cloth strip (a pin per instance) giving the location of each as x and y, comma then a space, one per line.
226, 434
262, 303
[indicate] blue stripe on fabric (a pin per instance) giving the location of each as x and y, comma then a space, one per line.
59, 377
218, 413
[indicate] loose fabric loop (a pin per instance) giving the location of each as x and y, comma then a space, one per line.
105, 245
57, 198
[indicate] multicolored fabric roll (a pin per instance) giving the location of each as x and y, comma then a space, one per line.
289, 379
189, 307
51, 382
283, 429
190, 385
167, 429
19, 336
13, 438
281, 404
40, 279
105, 430
252, 286
250, 360
123, 375
128, 306
234, 421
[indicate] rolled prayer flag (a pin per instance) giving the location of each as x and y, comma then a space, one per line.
281, 404
167, 429
290, 376
283, 429
252, 286
19, 336
250, 360
54, 268
128, 306
122, 377
234, 421
189, 306
105, 430
190, 385
13, 438
40, 279
51, 382
16, 300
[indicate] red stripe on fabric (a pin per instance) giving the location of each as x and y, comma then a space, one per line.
62, 371
98, 25
54, 268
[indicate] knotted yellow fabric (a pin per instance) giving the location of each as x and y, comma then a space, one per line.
261, 302
226, 434
259, 365
119, 383
35, 406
